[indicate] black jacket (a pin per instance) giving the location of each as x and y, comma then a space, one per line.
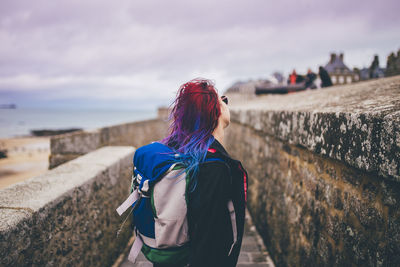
210, 228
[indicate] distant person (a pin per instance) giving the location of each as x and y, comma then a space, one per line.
300, 79
325, 78
310, 78
293, 77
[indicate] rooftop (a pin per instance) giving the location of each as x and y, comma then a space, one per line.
336, 64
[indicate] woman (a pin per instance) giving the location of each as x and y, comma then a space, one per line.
199, 117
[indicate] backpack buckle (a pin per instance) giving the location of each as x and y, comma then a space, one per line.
145, 190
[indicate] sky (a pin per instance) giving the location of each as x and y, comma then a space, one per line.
135, 54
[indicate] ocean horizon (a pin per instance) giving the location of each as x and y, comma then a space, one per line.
20, 121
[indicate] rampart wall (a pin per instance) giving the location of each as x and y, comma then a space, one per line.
67, 217
69, 146
324, 170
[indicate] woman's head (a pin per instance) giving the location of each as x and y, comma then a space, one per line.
196, 109
195, 114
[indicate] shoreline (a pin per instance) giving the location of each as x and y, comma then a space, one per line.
27, 157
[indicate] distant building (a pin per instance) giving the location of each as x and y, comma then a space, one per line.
339, 72
373, 72
378, 73
363, 73
248, 87
367, 73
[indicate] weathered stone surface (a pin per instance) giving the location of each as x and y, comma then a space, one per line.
312, 210
69, 146
58, 159
75, 143
134, 134
163, 113
358, 124
67, 217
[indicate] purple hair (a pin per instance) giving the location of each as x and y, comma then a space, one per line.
194, 117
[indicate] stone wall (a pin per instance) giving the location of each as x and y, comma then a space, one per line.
66, 147
67, 217
324, 173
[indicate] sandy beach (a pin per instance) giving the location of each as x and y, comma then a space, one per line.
26, 157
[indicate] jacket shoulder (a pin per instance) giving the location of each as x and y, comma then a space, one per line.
218, 171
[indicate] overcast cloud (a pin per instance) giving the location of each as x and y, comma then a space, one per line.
136, 53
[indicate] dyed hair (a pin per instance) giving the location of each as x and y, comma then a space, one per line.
194, 116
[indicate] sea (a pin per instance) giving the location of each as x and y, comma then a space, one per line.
20, 121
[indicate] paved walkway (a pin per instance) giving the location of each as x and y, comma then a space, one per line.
253, 252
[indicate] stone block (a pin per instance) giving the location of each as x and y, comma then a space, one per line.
58, 159
80, 142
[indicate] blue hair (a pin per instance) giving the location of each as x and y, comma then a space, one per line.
194, 116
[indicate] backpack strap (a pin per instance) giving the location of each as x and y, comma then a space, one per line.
128, 202
138, 244
232, 214
135, 249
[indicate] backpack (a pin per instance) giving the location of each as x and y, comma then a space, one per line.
159, 195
